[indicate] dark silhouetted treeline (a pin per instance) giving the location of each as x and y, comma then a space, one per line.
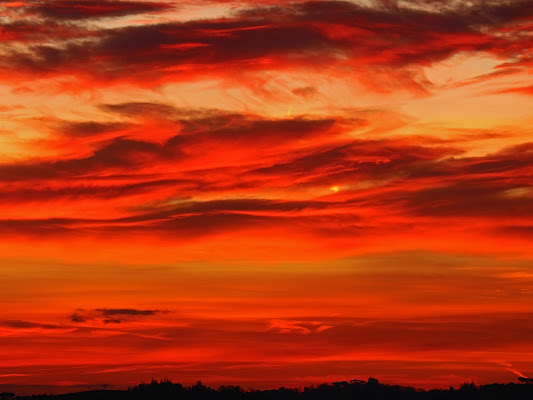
354, 389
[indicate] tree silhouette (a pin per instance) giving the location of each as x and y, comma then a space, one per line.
354, 389
7, 396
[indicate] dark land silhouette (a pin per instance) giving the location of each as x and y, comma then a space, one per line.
354, 389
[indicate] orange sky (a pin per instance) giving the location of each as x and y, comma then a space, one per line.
265, 193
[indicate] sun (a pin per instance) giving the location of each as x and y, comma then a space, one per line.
335, 189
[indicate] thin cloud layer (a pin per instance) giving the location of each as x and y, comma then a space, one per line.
65, 10
110, 315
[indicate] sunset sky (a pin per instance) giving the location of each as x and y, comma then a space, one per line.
265, 192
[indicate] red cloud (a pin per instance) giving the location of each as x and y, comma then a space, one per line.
341, 35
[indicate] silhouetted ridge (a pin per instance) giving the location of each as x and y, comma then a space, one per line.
354, 389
